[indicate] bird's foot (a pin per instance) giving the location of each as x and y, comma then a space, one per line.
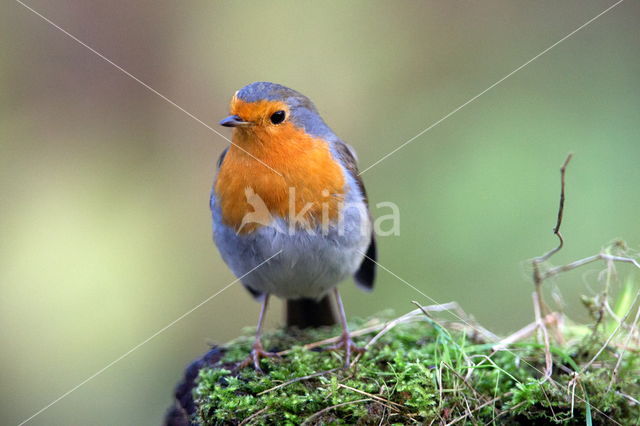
257, 353
346, 343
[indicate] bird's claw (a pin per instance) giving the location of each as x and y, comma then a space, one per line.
346, 343
257, 353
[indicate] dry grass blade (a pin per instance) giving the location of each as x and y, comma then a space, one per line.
442, 307
298, 379
372, 396
478, 408
253, 416
525, 331
548, 370
324, 410
361, 332
611, 336
634, 325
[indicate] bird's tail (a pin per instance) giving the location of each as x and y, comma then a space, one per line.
305, 313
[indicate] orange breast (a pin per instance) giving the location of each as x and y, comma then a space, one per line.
311, 178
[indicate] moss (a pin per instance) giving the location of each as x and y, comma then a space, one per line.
419, 372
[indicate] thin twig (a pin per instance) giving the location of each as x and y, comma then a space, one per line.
479, 407
356, 333
548, 370
298, 379
549, 404
464, 381
389, 326
515, 407
629, 397
606, 343
372, 396
435, 324
572, 385
450, 306
525, 332
409, 317
614, 375
253, 416
386, 327
578, 263
535, 263
324, 410
556, 229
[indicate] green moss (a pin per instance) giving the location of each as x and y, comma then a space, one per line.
418, 372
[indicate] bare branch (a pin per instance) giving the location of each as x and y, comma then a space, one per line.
548, 370
556, 229
525, 332
537, 278
578, 263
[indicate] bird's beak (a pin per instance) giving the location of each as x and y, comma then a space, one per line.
234, 121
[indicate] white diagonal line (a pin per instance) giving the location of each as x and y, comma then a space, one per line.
145, 85
136, 347
492, 86
475, 328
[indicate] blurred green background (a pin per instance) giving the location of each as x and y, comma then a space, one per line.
104, 186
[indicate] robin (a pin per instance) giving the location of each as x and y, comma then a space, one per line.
290, 212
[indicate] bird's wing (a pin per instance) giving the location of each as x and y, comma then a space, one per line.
366, 273
221, 158
212, 197
349, 160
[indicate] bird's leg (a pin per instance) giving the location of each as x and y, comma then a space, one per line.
258, 352
345, 341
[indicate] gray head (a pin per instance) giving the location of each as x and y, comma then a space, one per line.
270, 104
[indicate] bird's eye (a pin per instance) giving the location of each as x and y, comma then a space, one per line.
277, 117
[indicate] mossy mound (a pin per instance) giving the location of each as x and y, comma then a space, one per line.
418, 372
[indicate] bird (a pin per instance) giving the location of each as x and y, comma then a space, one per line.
290, 212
